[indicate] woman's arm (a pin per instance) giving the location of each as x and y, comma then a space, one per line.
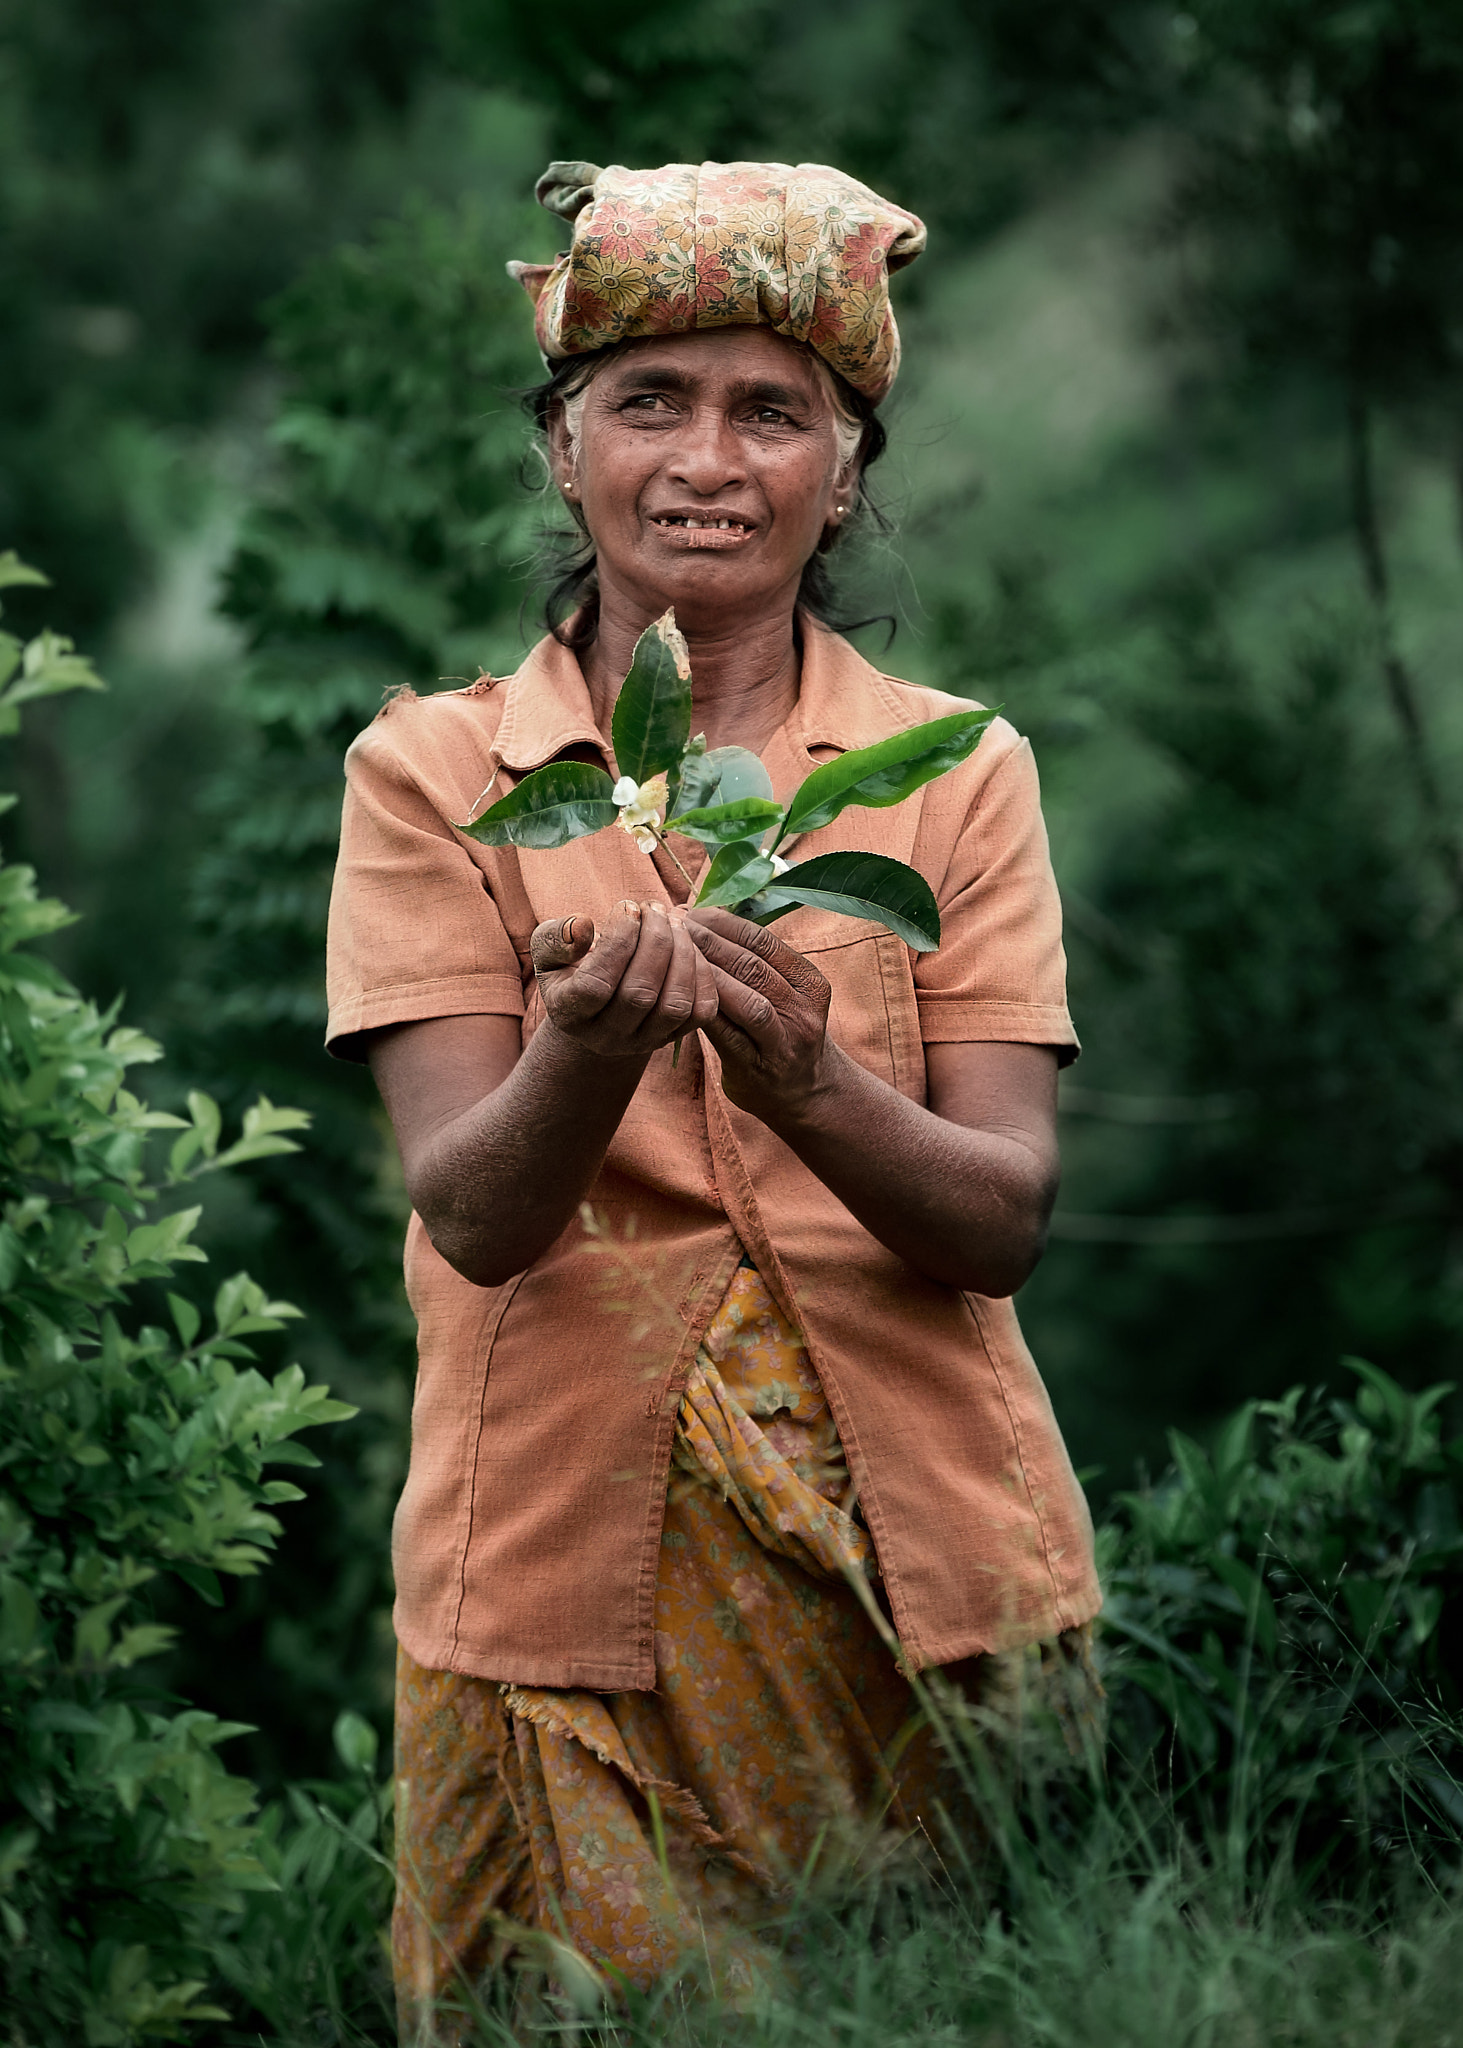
963, 1190
498, 1150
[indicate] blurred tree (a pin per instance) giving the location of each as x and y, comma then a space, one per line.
164, 167
1265, 1150
953, 110
1324, 189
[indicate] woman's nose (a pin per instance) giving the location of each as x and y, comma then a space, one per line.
708, 455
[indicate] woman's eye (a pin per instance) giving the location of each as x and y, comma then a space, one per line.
644, 401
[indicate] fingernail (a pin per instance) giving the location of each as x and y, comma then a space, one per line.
657, 909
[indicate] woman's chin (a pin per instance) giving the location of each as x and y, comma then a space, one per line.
710, 581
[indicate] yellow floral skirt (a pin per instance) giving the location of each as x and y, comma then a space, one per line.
639, 1827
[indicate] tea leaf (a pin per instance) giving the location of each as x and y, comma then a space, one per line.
652, 720
553, 805
888, 772
857, 885
727, 775
722, 824
737, 872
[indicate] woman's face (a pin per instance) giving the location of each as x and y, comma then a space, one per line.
707, 471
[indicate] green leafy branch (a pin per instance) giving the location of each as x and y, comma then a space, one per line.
43, 667
130, 1453
722, 797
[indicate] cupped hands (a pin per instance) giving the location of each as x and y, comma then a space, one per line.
626, 989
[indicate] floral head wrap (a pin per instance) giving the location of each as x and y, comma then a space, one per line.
798, 248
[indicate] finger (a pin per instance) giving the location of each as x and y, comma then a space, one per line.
742, 962
778, 956
644, 976
750, 1013
734, 1046
677, 1000
707, 1000
704, 1002
589, 986
559, 942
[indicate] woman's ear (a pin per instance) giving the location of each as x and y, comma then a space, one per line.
845, 495
563, 462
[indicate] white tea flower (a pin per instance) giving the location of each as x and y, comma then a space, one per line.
642, 809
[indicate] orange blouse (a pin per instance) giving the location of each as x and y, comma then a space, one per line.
526, 1541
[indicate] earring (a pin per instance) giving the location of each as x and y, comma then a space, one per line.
840, 508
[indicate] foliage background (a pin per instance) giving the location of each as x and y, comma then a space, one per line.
1176, 476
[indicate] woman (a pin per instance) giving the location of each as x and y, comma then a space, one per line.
721, 1390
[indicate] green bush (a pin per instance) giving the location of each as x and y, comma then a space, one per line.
308, 1960
127, 1451
1290, 1663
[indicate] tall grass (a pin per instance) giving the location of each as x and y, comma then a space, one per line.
1268, 1852
1124, 1931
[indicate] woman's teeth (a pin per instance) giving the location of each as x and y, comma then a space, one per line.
697, 530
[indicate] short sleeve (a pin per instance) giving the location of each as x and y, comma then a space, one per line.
414, 931
1000, 971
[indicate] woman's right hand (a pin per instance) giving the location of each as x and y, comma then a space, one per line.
628, 989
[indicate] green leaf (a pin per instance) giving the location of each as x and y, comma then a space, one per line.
132, 1047
186, 1316
355, 1740
857, 885
553, 805
889, 772
20, 1616
652, 721
166, 1240
204, 1581
144, 1639
737, 872
203, 1137
14, 571
286, 1453
12, 1258
50, 665
64, 1717
726, 775
721, 824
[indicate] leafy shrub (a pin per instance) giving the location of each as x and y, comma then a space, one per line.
127, 1451
1291, 1656
307, 1959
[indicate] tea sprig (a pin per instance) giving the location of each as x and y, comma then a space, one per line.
722, 797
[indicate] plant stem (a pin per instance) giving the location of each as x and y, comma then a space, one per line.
663, 842
1400, 686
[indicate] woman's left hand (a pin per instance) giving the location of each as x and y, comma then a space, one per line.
961, 1189
771, 1026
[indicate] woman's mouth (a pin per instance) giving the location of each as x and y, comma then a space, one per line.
698, 530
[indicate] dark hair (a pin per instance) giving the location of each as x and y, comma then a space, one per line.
567, 561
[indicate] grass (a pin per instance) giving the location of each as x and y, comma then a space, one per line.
1269, 1854
1095, 1918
